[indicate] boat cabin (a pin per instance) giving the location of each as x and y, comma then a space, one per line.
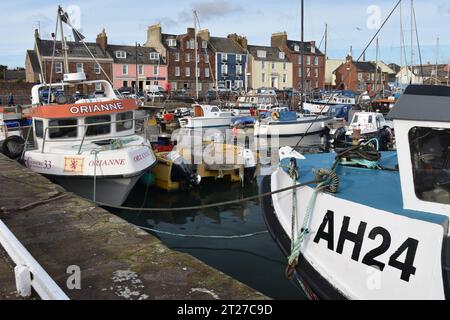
368, 122
208, 111
422, 124
99, 118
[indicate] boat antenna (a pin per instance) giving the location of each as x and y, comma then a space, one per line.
53, 58
351, 67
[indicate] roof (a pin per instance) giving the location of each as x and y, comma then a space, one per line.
365, 66
76, 49
306, 47
225, 45
386, 68
32, 55
272, 54
143, 54
14, 75
423, 103
166, 36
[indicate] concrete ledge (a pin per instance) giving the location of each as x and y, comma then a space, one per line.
117, 260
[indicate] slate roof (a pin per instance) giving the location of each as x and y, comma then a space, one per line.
272, 54
423, 103
365, 66
76, 49
34, 61
306, 47
225, 45
166, 36
143, 54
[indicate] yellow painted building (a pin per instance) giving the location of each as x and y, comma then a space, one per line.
269, 67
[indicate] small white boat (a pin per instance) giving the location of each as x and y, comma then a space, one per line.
291, 123
207, 116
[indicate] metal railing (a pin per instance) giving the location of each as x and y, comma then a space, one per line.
28, 272
87, 126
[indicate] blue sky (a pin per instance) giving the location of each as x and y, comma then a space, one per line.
127, 22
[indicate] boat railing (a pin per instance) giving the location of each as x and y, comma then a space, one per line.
87, 126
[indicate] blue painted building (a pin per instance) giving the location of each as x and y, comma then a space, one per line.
231, 64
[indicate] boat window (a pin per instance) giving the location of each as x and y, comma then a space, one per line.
100, 129
39, 127
370, 119
63, 133
355, 119
215, 109
124, 126
430, 156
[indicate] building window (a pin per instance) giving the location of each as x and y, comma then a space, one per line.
177, 56
282, 55
177, 71
239, 70
156, 70
154, 56
172, 42
187, 57
97, 68
263, 65
285, 66
121, 55
224, 57
284, 78
263, 78
204, 44
192, 44
206, 58
316, 61
125, 69
316, 73
198, 58
188, 72
308, 72
58, 67
317, 84
80, 67
300, 72
239, 58
206, 72
224, 69
261, 53
273, 66
296, 48
308, 60
372, 76
98, 87
141, 70
360, 76
198, 72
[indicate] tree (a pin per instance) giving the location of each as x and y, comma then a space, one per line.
2, 71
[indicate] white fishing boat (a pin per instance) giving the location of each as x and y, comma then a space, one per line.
90, 146
363, 224
253, 101
207, 116
322, 106
291, 123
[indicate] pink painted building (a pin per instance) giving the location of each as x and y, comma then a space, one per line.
135, 65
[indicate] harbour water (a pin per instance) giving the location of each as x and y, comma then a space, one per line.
256, 261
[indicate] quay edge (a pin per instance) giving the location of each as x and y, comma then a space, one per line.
117, 260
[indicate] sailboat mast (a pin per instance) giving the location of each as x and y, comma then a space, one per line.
401, 43
326, 47
412, 39
437, 60
376, 67
196, 55
302, 35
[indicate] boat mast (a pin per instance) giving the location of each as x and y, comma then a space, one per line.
302, 53
376, 67
401, 44
196, 55
63, 41
326, 47
412, 40
437, 60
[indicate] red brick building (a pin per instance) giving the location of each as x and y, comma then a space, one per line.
360, 76
38, 63
178, 51
313, 63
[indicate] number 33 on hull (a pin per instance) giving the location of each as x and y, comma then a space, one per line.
380, 229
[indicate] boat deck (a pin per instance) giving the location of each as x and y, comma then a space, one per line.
379, 189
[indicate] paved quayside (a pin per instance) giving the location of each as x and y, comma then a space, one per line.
117, 260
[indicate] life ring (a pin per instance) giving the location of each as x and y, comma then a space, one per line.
275, 115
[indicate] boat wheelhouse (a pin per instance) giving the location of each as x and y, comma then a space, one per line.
90, 146
377, 225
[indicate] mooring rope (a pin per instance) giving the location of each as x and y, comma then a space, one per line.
249, 235
209, 206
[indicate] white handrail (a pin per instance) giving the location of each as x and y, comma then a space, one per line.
42, 283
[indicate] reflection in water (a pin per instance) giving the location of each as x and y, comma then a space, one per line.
255, 261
